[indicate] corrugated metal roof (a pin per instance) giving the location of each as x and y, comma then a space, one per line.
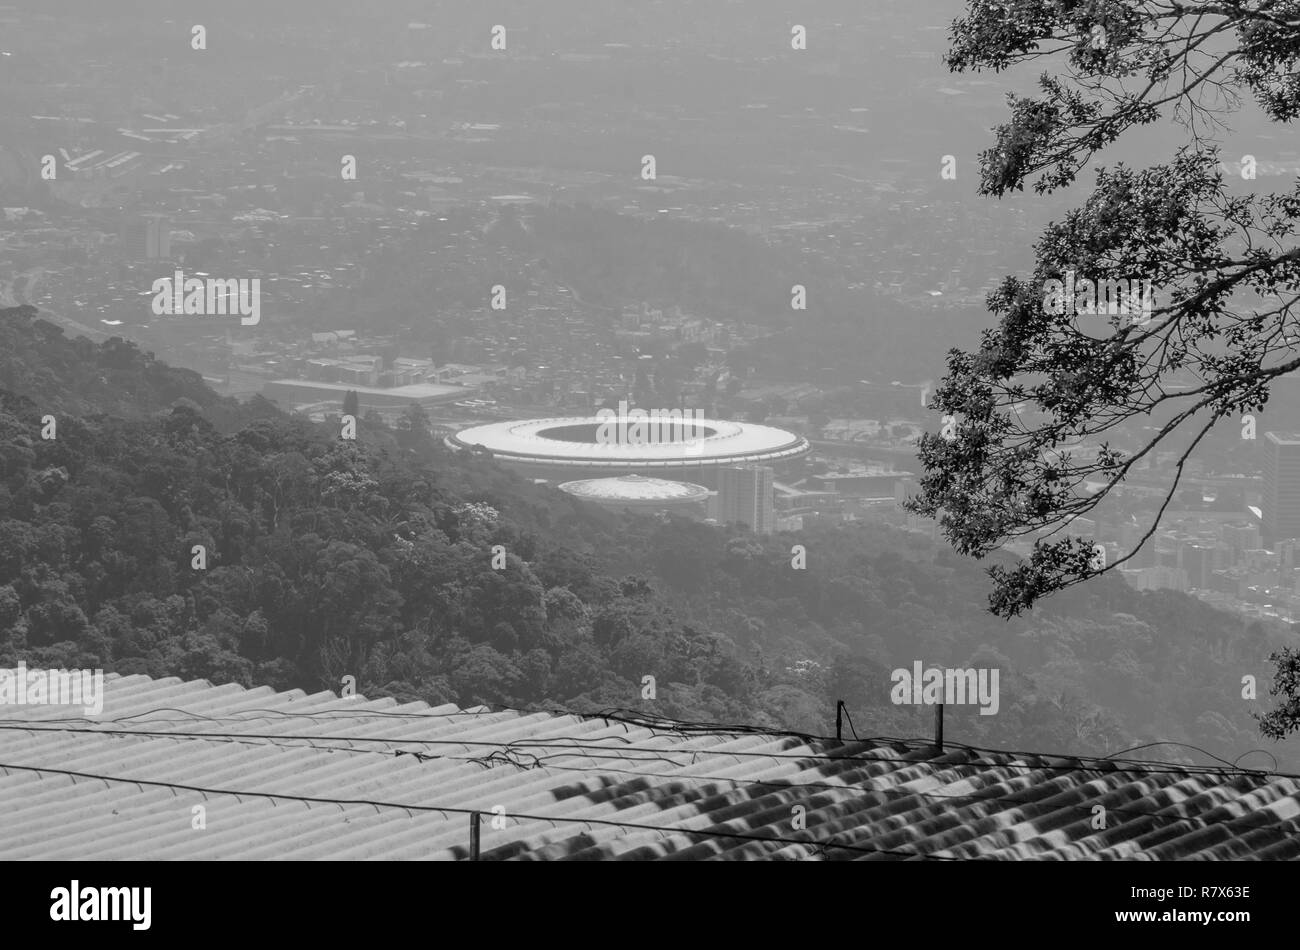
291, 775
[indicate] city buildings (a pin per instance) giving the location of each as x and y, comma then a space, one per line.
1281, 507
294, 392
147, 238
745, 497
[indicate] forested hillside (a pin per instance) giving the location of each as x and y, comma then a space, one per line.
374, 558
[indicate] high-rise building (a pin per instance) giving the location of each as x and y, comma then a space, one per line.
1281, 501
1286, 555
158, 237
1241, 536
1197, 561
148, 238
745, 496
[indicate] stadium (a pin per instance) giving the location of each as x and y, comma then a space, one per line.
639, 493
576, 447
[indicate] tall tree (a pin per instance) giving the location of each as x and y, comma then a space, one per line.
1224, 266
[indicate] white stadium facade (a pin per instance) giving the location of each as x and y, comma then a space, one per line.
572, 448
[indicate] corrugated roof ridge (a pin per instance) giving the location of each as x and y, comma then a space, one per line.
1178, 826
1002, 804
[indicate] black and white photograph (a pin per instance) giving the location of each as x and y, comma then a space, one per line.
647, 431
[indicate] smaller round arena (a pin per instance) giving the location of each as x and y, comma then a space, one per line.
639, 493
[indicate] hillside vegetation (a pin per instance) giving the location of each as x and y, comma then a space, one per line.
374, 558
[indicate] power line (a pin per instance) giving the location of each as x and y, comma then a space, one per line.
457, 810
583, 743
659, 724
503, 755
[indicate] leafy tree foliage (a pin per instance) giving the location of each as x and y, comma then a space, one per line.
1225, 268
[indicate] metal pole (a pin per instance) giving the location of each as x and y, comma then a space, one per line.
938, 727
473, 835
839, 719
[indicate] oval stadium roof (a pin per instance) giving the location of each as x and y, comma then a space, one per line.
570, 441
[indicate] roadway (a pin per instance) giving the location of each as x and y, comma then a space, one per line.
28, 296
